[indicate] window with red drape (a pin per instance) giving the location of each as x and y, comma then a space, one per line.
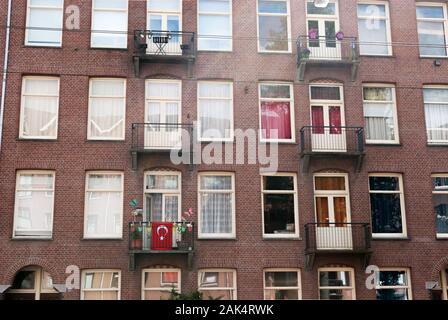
276, 120
317, 119
335, 120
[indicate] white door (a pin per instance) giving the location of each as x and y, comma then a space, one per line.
333, 231
328, 128
325, 47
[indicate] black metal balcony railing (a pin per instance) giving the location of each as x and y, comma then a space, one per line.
331, 139
337, 237
165, 43
161, 237
161, 136
327, 49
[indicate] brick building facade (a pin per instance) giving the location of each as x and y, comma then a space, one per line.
418, 250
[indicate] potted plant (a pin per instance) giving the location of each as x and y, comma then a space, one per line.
136, 237
305, 53
186, 226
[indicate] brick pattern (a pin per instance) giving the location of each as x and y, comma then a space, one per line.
72, 155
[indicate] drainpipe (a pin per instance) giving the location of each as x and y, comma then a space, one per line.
5, 70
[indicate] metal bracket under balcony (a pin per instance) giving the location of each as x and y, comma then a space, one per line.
331, 142
151, 138
327, 52
337, 239
153, 46
161, 238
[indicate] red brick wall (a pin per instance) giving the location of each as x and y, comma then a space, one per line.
72, 155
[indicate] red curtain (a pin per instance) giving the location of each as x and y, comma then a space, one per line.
317, 119
335, 120
169, 277
276, 116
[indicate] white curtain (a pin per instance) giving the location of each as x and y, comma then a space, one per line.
379, 120
163, 90
107, 109
215, 110
45, 22
216, 207
164, 5
437, 122
40, 108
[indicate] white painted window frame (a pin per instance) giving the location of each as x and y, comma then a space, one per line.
434, 192
283, 270
28, 14
83, 279
444, 21
408, 287
234, 288
338, 269
163, 289
445, 87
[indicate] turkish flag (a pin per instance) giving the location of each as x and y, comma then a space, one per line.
162, 236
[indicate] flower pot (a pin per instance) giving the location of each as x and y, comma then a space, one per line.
137, 244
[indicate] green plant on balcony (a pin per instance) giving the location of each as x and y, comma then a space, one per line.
136, 235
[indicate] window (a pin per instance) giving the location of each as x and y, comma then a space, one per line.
215, 25
39, 108
100, 285
215, 104
436, 114
216, 217
380, 114
445, 284
157, 284
282, 284
277, 112
44, 23
336, 284
109, 24
162, 196
374, 28
280, 213
440, 202
432, 29
107, 108
393, 284
32, 283
274, 30
104, 205
34, 204
387, 205
217, 284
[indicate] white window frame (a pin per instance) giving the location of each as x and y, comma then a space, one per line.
434, 192
234, 288
205, 13
231, 235
387, 21
232, 115
444, 21
395, 112
83, 278
294, 192
165, 192
283, 270
22, 107
28, 11
338, 269
408, 279
110, 9
91, 96
38, 278
444, 87
163, 100
87, 190
444, 279
404, 234
16, 205
291, 111
288, 26
164, 289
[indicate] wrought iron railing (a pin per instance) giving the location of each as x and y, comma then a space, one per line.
161, 136
332, 139
330, 49
161, 236
165, 43
355, 237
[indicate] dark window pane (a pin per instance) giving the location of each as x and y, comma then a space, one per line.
325, 93
330, 9
330, 183
392, 294
24, 280
281, 279
313, 24
330, 34
386, 213
275, 91
384, 183
279, 214
441, 211
440, 183
279, 183
392, 278
334, 278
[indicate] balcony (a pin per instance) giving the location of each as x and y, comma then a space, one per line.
325, 52
330, 142
170, 238
337, 239
161, 138
153, 46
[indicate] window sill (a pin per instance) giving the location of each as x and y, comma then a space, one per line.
278, 142
379, 144
37, 140
107, 49
31, 239
442, 237
437, 145
433, 57
41, 46
295, 238
105, 140
214, 51
217, 239
275, 52
102, 239
378, 56
391, 239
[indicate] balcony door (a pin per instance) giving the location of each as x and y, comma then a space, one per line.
164, 19
327, 119
332, 206
322, 26
163, 115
